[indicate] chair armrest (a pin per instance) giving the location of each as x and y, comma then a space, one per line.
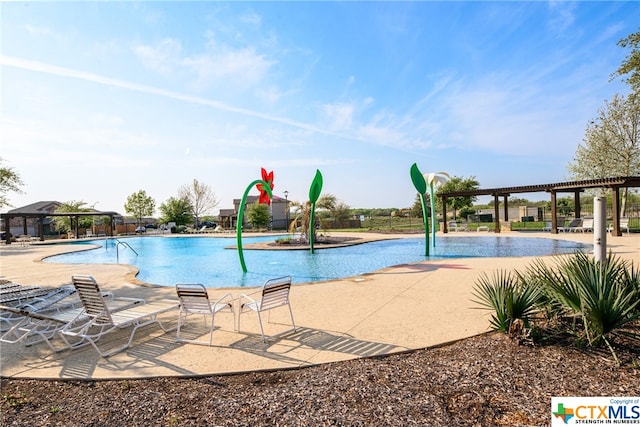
248, 299
225, 299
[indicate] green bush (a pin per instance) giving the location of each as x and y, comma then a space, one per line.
509, 296
605, 296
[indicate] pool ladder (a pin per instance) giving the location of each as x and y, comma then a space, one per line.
126, 245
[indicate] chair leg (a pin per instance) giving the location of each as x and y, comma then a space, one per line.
264, 338
179, 325
211, 329
293, 323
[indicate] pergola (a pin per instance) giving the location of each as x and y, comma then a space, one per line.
74, 216
575, 187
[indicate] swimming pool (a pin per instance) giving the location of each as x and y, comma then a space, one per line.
167, 261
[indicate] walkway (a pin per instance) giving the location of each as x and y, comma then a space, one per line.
393, 310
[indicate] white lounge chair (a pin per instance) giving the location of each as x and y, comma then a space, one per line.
274, 294
103, 320
575, 225
49, 301
194, 299
587, 225
19, 294
454, 226
624, 225
34, 327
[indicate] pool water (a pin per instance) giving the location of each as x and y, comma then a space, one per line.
167, 261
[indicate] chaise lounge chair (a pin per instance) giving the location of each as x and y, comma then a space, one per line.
274, 294
454, 226
103, 320
575, 225
52, 300
624, 225
18, 294
194, 299
34, 327
587, 225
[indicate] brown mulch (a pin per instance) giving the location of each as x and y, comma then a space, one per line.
488, 380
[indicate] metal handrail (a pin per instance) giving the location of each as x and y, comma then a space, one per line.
125, 244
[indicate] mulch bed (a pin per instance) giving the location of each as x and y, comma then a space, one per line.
487, 380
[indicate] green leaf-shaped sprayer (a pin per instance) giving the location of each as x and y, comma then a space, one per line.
421, 186
314, 194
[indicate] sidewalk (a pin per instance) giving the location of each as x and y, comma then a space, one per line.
392, 310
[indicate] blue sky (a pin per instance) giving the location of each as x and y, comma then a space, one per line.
102, 99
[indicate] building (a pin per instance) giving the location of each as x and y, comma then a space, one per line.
228, 218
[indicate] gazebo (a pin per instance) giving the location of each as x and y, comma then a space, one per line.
42, 210
575, 187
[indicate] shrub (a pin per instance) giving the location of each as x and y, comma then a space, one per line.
509, 295
604, 295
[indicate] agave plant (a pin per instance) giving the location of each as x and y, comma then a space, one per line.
509, 296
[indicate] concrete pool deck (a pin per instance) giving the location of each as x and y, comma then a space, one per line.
392, 310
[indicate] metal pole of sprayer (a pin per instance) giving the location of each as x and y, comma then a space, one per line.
600, 229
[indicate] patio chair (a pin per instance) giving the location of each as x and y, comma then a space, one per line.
575, 225
50, 301
8, 287
454, 226
587, 225
34, 327
194, 299
274, 294
20, 294
103, 321
624, 225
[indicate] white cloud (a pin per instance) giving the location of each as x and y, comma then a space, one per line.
243, 67
251, 18
39, 31
162, 58
270, 95
562, 15
339, 115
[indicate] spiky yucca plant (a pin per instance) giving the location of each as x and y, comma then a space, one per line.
509, 296
605, 294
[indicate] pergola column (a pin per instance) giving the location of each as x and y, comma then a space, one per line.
445, 229
576, 198
496, 213
554, 214
506, 207
616, 212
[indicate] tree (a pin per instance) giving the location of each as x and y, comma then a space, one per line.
258, 215
140, 205
200, 197
611, 146
9, 181
63, 223
176, 210
457, 183
302, 216
416, 209
341, 212
338, 210
631, 64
